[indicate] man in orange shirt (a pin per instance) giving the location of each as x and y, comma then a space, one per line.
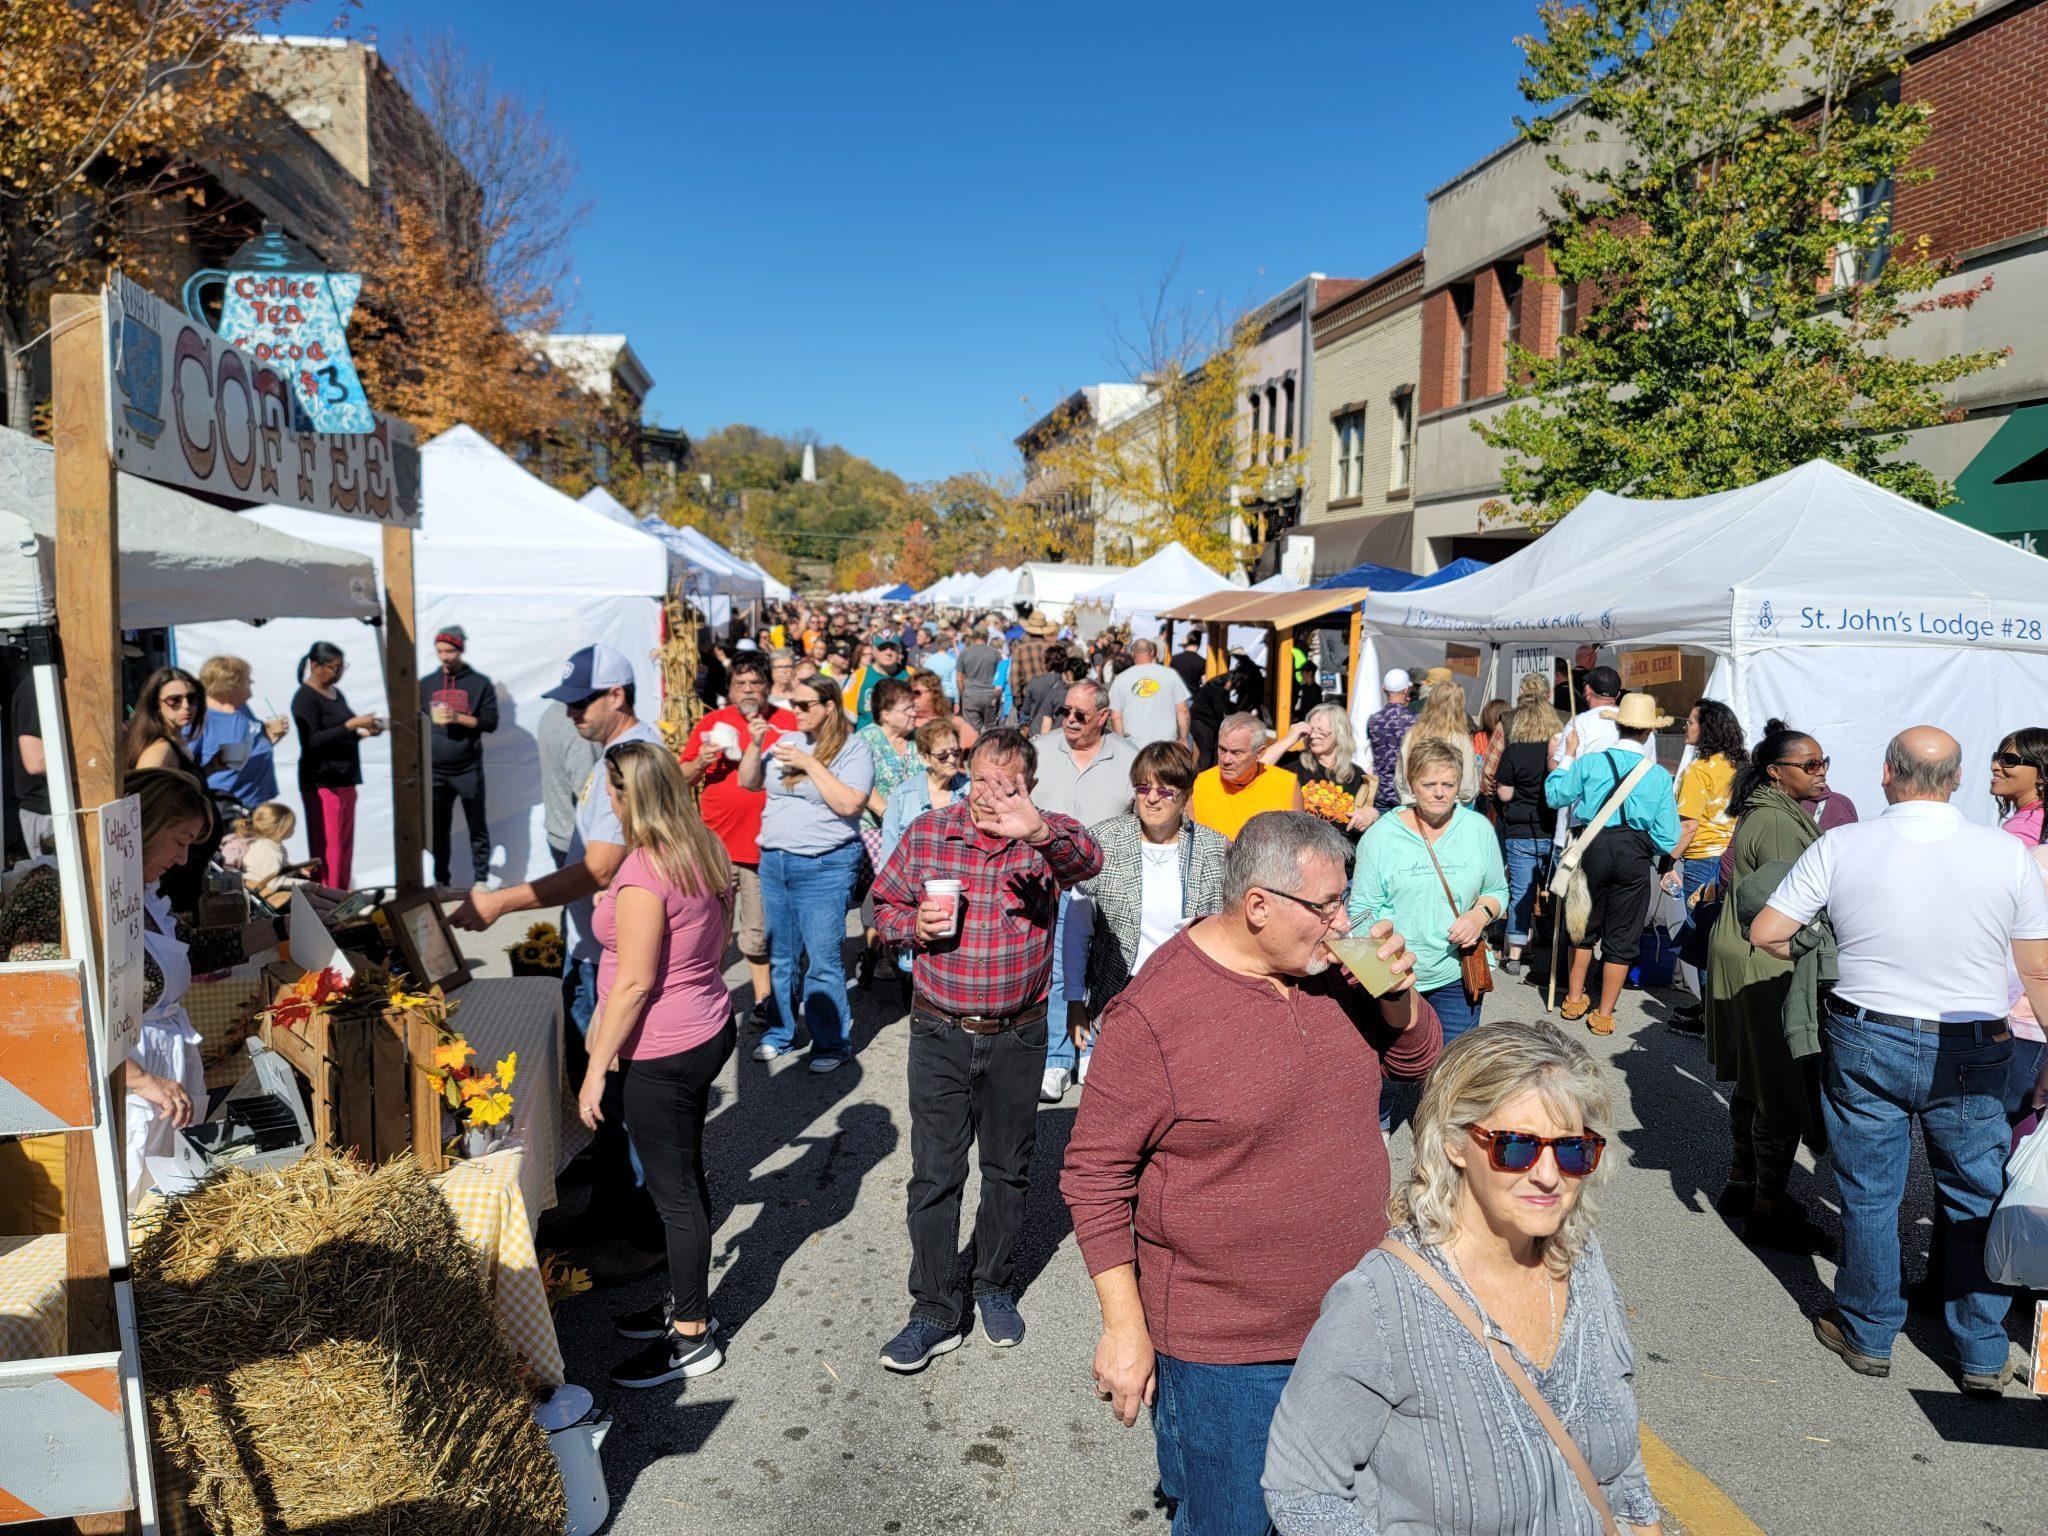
1239, 787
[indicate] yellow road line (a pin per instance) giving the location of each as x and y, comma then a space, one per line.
1686, 1492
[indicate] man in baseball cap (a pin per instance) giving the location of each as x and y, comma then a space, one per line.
1385, 730
597, 690
888, 662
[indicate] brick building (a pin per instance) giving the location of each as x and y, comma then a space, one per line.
1361, 441
1986, 209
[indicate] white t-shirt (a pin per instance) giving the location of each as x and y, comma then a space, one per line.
1159, 899
1925, 907
596, 822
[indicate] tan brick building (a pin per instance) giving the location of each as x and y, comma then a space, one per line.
1361, 442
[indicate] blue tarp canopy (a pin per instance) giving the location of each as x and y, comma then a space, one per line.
902, 592
1381, 578
1457, 568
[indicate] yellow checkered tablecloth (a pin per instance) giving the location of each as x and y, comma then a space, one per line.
490, 1208
32, 1297
502, 1014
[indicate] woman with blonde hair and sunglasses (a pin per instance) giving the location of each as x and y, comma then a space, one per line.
1413, 1407
664, 1014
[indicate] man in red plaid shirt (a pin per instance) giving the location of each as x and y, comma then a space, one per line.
977, 1027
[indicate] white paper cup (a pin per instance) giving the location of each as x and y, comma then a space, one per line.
949, 892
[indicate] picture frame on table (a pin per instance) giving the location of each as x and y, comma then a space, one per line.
420, 929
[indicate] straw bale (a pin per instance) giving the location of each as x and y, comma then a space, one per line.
319, 1354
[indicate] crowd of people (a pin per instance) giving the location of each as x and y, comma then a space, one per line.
1090, 868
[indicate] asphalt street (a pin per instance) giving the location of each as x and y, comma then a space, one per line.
803, 1431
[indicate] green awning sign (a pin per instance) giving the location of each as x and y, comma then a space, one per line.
2004, 489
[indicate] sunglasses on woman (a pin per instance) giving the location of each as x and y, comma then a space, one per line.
2007, 760
949, 755
1811, 765
1517, 1151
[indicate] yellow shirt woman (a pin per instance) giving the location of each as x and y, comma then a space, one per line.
1703, 797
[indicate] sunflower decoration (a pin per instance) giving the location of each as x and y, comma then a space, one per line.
540, 951
1330, 801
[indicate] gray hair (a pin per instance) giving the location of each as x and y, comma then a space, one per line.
1477, 1073
1101, 693
1143, 651
781, 653
1243, 720
1338, 721
1937, 777
1269, 852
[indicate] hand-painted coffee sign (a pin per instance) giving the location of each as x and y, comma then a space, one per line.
189, 409
279, 305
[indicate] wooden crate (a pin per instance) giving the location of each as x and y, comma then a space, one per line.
371, 1082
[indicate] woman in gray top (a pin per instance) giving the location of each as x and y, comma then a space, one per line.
1397, 1421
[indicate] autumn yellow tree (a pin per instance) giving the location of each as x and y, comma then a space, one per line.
1175, 468
114, 119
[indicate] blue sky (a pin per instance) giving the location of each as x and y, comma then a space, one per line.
909, 227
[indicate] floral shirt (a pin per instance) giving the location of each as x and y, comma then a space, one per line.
1386, 731
891, 769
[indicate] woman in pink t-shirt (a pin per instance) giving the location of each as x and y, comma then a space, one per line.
663, 1012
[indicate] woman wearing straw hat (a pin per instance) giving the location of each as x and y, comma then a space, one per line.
1637, 823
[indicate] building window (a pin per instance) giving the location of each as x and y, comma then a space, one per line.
1272, 422
1254, 438
1511, 298
1461, 309
1347, 469
1404, 439
1868, 204
1567, 309
1287, 435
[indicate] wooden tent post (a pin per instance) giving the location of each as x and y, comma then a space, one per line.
402, 699
1219, 650
89, 629
1351, 671
1280, 660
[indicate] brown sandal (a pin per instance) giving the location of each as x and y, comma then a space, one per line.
1575, 1008
1600, 1023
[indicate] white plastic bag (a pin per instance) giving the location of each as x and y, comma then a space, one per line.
2016, 1244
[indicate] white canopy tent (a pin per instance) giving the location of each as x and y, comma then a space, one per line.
527, 571
1052, 587
182, 559
1165, 579
995, 590
946, 588
775, 591
1826, 602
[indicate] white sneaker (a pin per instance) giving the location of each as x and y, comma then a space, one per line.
766, 1052
490, 883
1081, 1067
1055, 1085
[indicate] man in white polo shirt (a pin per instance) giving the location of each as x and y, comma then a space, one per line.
1927, 909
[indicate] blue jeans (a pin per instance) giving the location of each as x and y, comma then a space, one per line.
1528, 860
1456, 1012
1059, 1045
803, 896
1211, 1423
2026, 1068
1875, 1079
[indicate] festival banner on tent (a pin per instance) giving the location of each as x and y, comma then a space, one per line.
1802, 618
190, 410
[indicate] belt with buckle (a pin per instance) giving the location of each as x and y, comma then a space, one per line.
980, 1023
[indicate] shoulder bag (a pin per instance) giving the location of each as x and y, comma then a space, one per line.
1472, 966
1567, 880
1512, 1369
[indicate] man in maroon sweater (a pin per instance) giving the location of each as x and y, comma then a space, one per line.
1226, 1166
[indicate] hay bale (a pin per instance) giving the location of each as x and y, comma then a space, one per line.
319, 1353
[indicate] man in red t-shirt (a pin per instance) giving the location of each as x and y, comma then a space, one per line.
734, 814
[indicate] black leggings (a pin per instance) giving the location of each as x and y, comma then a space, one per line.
665, 1100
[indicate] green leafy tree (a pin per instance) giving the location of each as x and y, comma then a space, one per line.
1726, 205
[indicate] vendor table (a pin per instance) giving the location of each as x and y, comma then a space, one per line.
32, 1297
490, 1209
502, 1014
